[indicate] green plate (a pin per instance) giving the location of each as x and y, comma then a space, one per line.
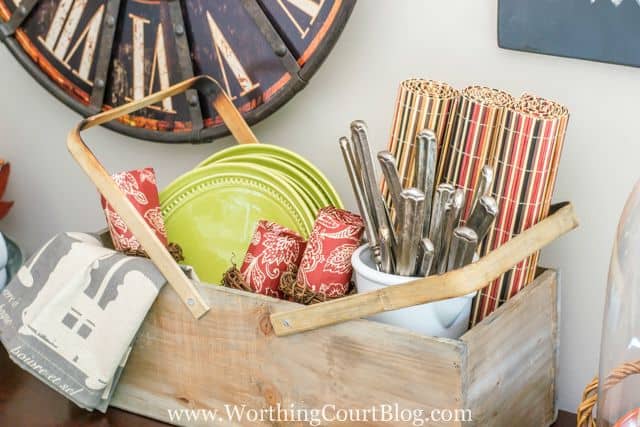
280, 176
288, 156
212, 212
301, 179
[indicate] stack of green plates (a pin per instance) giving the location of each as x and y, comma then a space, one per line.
212, 211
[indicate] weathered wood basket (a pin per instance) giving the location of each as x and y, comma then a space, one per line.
503, 370
224, 346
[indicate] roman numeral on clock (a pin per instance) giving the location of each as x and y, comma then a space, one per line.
60, 40
159, 64
310, 8
225, 54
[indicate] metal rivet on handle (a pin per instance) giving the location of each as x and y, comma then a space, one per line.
286, 324
281, 50
110, 21
100, 83
179, 29
190, 301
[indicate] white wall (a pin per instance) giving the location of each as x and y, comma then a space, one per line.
385, 42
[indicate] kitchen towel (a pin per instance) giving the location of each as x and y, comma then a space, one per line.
71, 314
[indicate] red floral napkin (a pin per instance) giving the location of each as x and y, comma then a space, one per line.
326, 263
141, 189
273, 251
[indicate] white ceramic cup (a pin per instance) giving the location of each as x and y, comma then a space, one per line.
447, 318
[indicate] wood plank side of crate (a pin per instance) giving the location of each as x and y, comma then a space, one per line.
231, 356
509, 378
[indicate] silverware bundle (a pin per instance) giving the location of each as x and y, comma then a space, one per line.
424, 237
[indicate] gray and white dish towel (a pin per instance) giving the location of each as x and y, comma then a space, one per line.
72, 312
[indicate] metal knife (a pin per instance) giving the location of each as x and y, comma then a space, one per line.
387, 250
371, 230
426, 162
444, 192
390, 172
483, 187
377, 205
426, 259
410, 227
483, 216
450, 222
463, 246
364, 162
363, 151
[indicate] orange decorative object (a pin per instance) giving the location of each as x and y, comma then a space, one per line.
632, 419
5, 169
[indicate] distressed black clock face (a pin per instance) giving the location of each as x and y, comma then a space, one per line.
99, 54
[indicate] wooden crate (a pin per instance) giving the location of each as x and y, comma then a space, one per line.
251, 350
503, 370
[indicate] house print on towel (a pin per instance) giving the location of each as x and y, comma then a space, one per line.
82, 312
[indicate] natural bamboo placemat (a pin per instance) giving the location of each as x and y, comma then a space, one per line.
474, 131
525, 157
421, 104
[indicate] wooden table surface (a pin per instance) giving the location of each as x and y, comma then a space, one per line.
25, 401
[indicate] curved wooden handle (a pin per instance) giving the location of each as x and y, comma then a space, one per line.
205, 85
433, 288
116, 198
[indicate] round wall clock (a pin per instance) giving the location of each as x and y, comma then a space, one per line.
98, 54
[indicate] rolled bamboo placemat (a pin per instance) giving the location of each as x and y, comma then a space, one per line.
548, 109
421, 104
525, 159
474, 130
